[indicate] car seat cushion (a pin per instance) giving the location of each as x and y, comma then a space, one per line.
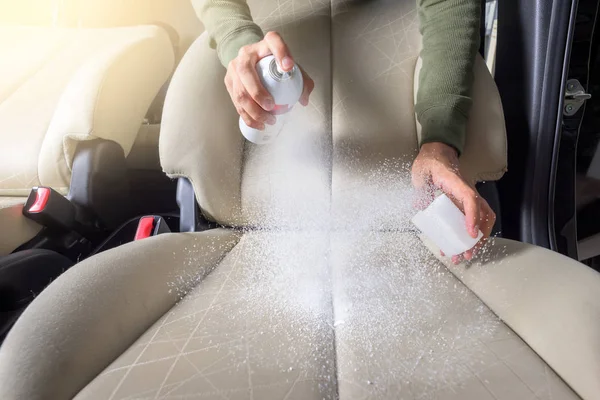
260, 323
347, 314
550, 300
94, 312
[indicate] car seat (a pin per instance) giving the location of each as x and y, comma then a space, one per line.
315, 286
68, 74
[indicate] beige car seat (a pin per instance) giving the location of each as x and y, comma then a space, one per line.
72, 71
319, 289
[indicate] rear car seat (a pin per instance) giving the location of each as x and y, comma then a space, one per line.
72, 74
321, 291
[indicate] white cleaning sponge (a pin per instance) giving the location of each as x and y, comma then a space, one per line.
444, 224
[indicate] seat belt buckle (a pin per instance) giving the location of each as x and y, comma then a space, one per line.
151, 225
51, 209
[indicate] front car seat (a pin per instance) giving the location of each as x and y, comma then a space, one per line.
68, 76
319, 289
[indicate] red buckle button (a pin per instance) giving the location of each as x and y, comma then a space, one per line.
144, 228
41, 199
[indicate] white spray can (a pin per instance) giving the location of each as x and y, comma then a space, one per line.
285, 88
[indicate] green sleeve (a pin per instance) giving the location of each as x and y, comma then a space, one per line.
450, 31
229, 25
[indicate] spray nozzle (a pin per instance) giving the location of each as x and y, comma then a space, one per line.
277, 72
279, 69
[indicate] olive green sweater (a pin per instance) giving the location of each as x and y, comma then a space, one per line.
450, 30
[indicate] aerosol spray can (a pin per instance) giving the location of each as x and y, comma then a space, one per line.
286, 89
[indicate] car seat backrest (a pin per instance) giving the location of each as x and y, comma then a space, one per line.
354, 141
178, 16
62, 86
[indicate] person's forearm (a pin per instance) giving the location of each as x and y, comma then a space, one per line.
229, 24
450, 30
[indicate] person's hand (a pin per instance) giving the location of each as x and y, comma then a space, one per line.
252, 101
436, 167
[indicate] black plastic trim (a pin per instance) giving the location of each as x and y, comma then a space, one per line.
186, 199
23, 276
99, 182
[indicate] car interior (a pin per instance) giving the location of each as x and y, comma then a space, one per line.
148, 251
